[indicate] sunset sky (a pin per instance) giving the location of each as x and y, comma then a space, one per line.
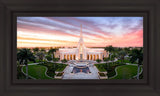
65, 31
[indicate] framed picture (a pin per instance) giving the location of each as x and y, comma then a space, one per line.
65, 50
71, 47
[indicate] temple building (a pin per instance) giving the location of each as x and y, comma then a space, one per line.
81, 52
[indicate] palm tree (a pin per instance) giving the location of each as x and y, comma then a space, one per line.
137, 55
121, 55
43, 50
40, 55
106, 60
23, 56
35, 50
127, 49
51, 51
119, 49
113, 56
110, 49
48, 57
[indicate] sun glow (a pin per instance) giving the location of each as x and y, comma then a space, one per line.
97, 31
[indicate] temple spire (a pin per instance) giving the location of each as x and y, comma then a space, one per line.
81, 36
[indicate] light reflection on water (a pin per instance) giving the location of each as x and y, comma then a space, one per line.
78, 69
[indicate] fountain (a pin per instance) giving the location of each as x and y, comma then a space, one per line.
81, 63
81, 67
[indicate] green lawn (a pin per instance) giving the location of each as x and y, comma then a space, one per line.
61, 67
126, 61
126, 72
52, 67
33, 62
109, 67
36, 71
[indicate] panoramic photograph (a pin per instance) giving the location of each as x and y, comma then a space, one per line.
67, 48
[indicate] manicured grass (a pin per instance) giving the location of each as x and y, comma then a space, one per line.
126, 72
109, 67
101, 67
61, 67
33, 62
126, 61
52, 67
36, 71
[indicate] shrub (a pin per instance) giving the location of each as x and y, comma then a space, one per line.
60, 67
48, 57
101, 74
106, 59
60, 74
98, 60
55, 59
109, 67
64, 61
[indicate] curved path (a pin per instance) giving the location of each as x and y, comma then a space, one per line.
36, 71
129, 73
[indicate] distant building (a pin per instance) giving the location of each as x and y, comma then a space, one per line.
81, 52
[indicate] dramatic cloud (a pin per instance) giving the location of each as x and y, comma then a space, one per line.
65, 31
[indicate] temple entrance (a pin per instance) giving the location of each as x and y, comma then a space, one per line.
81, 56
87, 57
67, 57
70, 57
74, 57
91, 57
94, 57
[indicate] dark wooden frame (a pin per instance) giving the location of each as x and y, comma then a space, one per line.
9, 9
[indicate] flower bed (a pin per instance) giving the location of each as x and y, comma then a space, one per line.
59, 75
102, 75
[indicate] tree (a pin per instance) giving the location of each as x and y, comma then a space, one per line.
51, 51
23, 56
110, 49
121, 55
98, 60
35, 50
137, 55
127, 49
113, 56
43, 50
48, 57
106, 60
119, 49
40, 56
55, 59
